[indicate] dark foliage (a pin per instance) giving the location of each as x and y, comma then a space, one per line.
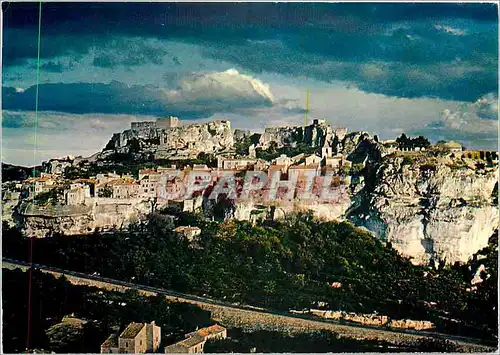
316, 342
18, 173
288, 264
52, 298
407, 142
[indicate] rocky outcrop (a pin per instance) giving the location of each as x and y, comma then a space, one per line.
429, 208
317, 134
187, 140
373, 320
10, 200
98, 214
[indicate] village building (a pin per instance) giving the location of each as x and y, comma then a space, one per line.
104, 178
77, 194
234, 163
124, 188
197, 177
148, 172
195, 341
252, 153
335, 161
274, 169
164, 170
301, 172
149, 185
450, 146
312, 159
39, 185
284, 160
297, 158
137, 338
186, 205
171, 188
260, 165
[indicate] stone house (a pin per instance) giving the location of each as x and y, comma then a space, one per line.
148, 172
137, 338
195, 341
335, 161
186, 205
77, 194
235, 164
260, 165
41, 184
300, 172
170, 188
450, 146
124, 188
283, 160
313, 159
149, 185
189, 232
326, 152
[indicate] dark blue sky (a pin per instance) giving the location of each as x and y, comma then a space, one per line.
384, 68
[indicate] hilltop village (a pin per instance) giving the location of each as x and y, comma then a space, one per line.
67, 198
281, 234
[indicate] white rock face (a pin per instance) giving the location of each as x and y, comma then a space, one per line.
187, 140
433, 211
209, 137
98, 213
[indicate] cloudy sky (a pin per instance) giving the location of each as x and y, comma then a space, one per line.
384, 68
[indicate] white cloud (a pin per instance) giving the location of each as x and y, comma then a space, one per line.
220, 86
487, 107
474, 124
450, 30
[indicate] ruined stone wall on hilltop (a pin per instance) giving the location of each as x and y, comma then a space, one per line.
189, 140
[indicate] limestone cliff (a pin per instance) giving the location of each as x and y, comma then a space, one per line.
316, 134
429, 208
97, 214
186, 140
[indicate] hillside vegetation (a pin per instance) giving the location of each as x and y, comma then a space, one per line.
290, 264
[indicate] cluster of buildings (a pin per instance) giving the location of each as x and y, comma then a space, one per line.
155, 184
173, 180
141, 338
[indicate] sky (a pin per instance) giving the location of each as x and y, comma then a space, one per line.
384, 68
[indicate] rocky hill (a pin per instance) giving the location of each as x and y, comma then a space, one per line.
185, 141
432, 206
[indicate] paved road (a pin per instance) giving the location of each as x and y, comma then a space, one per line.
205, 301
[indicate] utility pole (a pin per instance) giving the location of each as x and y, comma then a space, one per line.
306, 121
